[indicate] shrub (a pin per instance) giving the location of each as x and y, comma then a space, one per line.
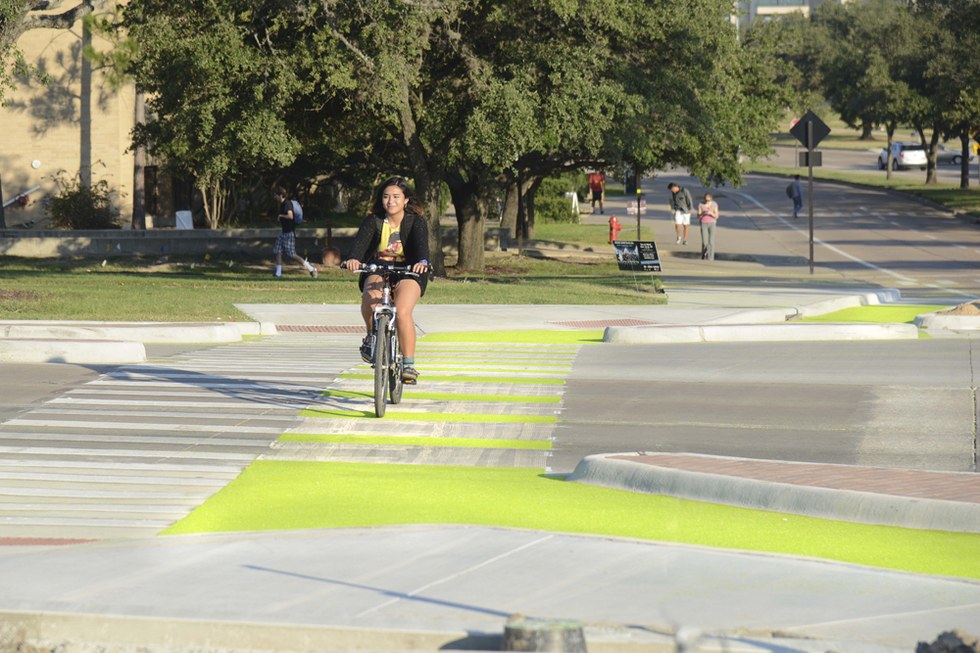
77, 206
550, 203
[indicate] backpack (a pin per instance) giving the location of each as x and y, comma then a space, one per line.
297, 212
789, 191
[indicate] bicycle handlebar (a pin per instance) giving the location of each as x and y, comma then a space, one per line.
376, 268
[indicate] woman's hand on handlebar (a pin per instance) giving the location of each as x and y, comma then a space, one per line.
421, 267
351, 264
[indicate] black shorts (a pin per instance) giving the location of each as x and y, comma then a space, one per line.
397, 277
597, 196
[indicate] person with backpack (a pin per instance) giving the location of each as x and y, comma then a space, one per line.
286, 242
681, 204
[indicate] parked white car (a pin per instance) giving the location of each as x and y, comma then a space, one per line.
905, 156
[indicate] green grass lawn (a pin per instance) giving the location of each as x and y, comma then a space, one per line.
206, 289
884, 313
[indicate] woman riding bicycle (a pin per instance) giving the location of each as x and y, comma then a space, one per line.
394, 232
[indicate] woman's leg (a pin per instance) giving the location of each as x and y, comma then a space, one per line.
370, 297
407, 294
711, 240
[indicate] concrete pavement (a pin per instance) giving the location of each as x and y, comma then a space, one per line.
431, 587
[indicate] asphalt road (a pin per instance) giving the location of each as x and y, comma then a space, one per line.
904, 404
862, 236
890, 404
867, 161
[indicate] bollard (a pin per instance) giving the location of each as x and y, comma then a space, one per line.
524, 634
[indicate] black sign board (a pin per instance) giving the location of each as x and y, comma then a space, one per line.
637, 255
811, 158
818, 132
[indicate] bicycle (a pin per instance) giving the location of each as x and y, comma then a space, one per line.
387, 357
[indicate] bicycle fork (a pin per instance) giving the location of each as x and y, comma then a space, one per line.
387, 339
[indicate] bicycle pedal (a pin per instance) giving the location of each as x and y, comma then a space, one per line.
410, 381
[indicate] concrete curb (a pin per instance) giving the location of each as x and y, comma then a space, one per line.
147, 332
886, 296
793, 331
110, 343
95, 631
78, 352
948, 322
610, 470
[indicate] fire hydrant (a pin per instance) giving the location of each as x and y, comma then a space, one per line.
614, 228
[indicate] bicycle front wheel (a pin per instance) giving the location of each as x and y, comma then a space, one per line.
395, 375
381, 362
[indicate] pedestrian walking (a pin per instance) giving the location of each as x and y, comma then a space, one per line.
286, 242
681, 205
796, 194
708, 217
597, 185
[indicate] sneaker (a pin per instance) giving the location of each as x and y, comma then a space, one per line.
677, 242
277, 275
684, 243
409, 376
314, 272
367, 349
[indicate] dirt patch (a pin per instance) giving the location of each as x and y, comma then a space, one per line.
17, 295
969, 308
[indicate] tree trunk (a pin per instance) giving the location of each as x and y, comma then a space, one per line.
932, 173
139, 169
471, 220
3, 211
430, 198
426, 176
508, 222
965, 158
890, 131
532, 190
866, 132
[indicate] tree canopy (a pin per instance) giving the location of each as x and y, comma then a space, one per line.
469, 93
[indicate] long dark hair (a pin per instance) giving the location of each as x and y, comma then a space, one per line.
414, 203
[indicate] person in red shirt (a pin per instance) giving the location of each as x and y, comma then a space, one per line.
597, 184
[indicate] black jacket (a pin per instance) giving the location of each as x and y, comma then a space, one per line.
414, 232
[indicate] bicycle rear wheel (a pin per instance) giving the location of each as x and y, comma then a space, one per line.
395, 378
381, 365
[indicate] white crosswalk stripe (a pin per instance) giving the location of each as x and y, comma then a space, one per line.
140, 447
135, 450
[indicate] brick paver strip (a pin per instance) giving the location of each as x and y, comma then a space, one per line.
598, 324
948, 486
317, 328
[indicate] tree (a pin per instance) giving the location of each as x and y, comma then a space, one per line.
218, 90
952, 68
471, 93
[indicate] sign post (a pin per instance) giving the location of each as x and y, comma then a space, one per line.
639, 209
810, 130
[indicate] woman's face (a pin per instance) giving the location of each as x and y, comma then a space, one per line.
393, 200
